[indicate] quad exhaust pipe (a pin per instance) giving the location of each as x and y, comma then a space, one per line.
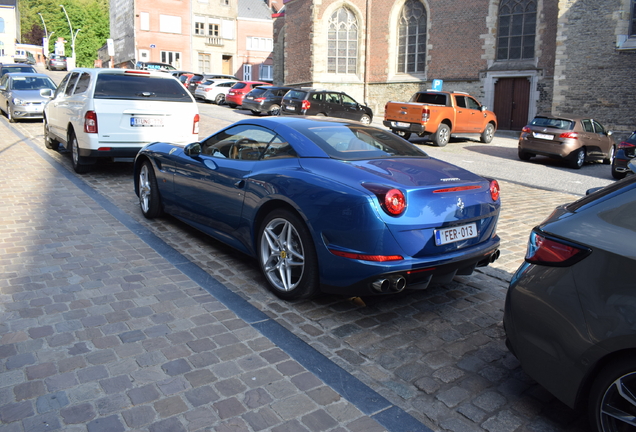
395, 284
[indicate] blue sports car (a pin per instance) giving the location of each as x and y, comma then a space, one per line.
343, 208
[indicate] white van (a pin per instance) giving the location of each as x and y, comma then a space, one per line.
23, 56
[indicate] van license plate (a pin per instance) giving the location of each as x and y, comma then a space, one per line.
146, 122
454, 234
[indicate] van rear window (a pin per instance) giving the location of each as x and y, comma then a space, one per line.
140, 87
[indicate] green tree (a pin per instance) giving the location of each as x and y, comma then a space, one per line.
91, 17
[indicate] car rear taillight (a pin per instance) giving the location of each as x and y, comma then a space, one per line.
90, 122
365, 257
259, 99
626, 145
552, 251
526, 129
392, 201
195, 126
426, 114
572, 135
494, 190
305, 105
207, 89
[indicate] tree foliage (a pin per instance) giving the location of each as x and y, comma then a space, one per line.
90, 16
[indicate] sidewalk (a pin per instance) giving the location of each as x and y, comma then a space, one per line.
104, 327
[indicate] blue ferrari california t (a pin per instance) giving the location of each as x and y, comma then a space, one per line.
343, 208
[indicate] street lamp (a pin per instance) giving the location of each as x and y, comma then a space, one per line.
71, 28
46, 36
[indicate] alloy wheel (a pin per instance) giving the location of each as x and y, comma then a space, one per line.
282, 255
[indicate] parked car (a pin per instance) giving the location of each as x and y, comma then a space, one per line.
56, 62
23, 95
214, 90
265, 99
16, 67
574, 139
345, 208
325, 103
155, 66
197, 79
23, 56
625, 152
238, 91
570, 311
112, 113
178, 73
184, 78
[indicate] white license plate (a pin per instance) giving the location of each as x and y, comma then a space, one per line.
402, 124
454, 234
146, 121
543, 136
291, 108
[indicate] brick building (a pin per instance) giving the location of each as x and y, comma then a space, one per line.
255, 44
520, 57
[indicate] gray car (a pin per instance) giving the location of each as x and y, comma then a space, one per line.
23, 95
570, 312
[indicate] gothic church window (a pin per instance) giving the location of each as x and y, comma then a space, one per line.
342, 51
517, 29
412, 38
632, 24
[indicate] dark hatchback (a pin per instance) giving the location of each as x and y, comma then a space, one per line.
570, 311
326, 103
625, 152
265, 99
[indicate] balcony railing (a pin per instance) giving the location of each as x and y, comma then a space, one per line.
214, 41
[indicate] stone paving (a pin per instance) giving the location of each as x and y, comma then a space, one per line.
99, 332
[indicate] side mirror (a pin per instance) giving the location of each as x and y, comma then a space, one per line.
484, 107
192, 150
47, 93
610, 133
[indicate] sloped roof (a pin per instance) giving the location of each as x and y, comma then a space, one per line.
254, 9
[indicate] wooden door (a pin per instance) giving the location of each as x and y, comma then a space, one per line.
512, 97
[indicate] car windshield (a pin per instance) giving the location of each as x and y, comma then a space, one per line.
32, 83
139, 87
352, 142
555, 123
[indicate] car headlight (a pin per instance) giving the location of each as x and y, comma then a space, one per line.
18, 101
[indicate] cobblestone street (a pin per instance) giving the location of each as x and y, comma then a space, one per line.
111, 322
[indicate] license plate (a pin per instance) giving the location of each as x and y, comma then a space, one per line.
455, 234
146, 122
291, 108
543, 136
402, 124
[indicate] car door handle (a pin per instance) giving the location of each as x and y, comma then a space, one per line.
240, 184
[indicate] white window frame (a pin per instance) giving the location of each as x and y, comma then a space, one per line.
254, 43
202, 31
144, 55
266, 72
247, 72
171, 57
227, 29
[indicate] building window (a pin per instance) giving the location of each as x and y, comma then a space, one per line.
247, 72
199, 28
1, 25
516, 31
205, 62
213, 30
172, 58
260, 44
632, 25
227, 27
1, 48
342, 51
265, 72
225, 2
412, 38
169, 24
144, 21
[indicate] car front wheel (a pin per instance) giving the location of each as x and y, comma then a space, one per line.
287, 256
149, 199
274, 110
365, 119
488, 134
612, 401
442, 136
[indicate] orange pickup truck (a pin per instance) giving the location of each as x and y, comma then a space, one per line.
440, 114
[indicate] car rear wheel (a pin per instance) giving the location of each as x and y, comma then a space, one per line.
617, 174
49, 141
256, 112
79, 164
442, 136
612, 405
610, 156
523, 155
219, 99
274, 110
488, 134
402, 133
287, 256
365, 119
149, 199
578, 158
